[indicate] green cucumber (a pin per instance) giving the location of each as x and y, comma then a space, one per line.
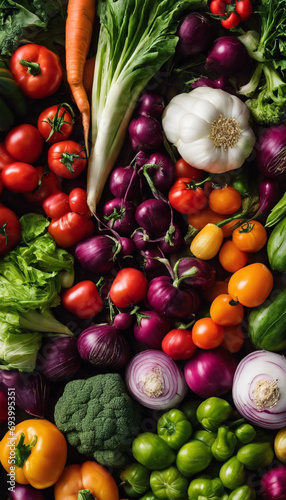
276, 247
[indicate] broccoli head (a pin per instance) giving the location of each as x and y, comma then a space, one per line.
99, 418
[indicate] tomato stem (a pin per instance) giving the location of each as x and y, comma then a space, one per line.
3, 232
241, 215
33, 68
246, 227
23, 451
85, 495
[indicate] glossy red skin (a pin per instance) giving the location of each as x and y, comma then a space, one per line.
83, 300
56, 205
25, 143
178, 344
70, 229
5, 157
13, 229
55, 155
45, 128
184, 198
20, 177
244, 9
129, 287
183, 169
49, 184
78, 201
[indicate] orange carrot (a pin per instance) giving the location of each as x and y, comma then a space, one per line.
79, 27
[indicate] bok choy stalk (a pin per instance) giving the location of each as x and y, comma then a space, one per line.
136, 38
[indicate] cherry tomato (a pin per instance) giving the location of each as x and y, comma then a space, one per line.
234, 337
244, 9
218, 7
67, 159
207, 334
185, 197
70, 229
37, 70
55, 123
178, 344
56, 205
226, 200
216, 289
228, 228
224, 311
5, 157
231, 258
232, 21
24, 142
129, 287
251, 285
78, 201
10, 230
83, 300
48, 184
250, 236
184, 169
205, 216
20, 177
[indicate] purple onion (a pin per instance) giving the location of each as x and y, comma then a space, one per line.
150, 259
151, 328
150, 104
273, 483
58, 358
195, 34
168, 300
271, 152
153, 215
97, 253
204, 276
127, 246
123, 321
210, 372
141, 158
31, 391
227, 56
124, 183
25, 492
268, 195
172, 240
162, 175
119, 215
104, 346
142, 238
220, 83
145, 134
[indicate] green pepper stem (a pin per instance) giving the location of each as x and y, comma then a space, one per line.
33, 68
85, 495
23, 451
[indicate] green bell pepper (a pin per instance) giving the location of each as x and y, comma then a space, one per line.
245, 433
135, 479
232, 473
256, 455
169, 484
193, 457
206, 437
213, 412
152, 451
174, 428
189, 408
149, 496
240, 181
243, 493
224, 445
206, 488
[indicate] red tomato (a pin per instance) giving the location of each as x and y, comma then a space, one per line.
48, 184
232, 21
70, 229
185, 197
244, 9
37, 70
218, 7
129, 287
5, 157
20, 177
183, 169
207, 334
10, 230
178, 344
83, 300
78, 201
24, 142
55, 123
67, 159
56, 205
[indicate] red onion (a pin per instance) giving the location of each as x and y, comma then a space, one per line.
227, 56
273, 483
204, 276
145, 133
155, 380
210, 372
150, 328
271, 152
268, 195
150, 104
124, 183
119, 215
195, 34
220, 83
256, 373
163, 174
142, 238
123, 321
25, 492
58, 358
153, 215
172, 240
97, 253
104, 346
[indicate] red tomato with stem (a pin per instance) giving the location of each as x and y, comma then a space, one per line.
129, 287
56, 205
178, 344
55, 123
24, 142
78, 201
67, 159
207, 334
244, 9
184, 169
5, 157
48, 184
186, 197
10, 230
20, 177
37, 70
232, 20
70, 229
83, 300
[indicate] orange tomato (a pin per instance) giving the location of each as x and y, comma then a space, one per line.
204, 217
228, 228
231, 258
207, 334
87, 476
224, 313
216, 289
226, 200
234, 337
251, 285
250, 236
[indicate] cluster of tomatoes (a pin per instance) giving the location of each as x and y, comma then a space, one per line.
231, 13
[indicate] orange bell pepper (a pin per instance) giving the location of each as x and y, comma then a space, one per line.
34, 452
86, 481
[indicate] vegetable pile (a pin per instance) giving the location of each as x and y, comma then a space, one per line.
142, 250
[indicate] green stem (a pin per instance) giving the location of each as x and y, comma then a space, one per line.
85, 495
23, 451
241, 215
33, 68
3, 232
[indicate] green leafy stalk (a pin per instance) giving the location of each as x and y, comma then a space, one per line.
136, 38
277, 213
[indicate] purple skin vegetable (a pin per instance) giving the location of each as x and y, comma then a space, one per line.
145, 134
151, 104
97, 253
153, 215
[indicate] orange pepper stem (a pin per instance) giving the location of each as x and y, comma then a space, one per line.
23, 451
33, 67
233, 302
85, 495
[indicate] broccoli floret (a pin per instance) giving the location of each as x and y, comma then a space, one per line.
99, 418
265, 109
